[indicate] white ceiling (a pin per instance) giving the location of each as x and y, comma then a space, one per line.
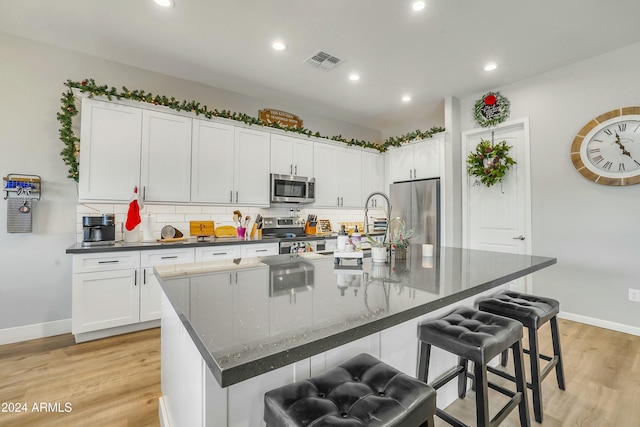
432, 54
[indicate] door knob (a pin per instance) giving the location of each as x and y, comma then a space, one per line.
520, 237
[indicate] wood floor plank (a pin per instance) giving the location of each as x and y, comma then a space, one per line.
109, 382
115, 381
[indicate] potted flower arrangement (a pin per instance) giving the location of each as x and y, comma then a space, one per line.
400, 238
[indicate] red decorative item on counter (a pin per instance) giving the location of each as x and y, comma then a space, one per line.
133, 214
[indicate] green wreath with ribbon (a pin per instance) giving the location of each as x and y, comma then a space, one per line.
491, 110
490, 162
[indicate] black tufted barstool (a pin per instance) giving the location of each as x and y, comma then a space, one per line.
478, 337
361, 392
532, 312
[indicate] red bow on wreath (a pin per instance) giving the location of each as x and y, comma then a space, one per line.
490, 99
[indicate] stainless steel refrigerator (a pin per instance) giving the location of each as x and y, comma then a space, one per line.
418, 204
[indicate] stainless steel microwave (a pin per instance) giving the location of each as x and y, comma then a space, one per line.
292, 189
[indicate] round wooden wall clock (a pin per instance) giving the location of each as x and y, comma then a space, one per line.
607, 149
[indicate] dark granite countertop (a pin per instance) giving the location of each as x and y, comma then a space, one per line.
250, 316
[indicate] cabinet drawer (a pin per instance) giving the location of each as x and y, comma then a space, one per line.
260, 249
89, 263
213, 253
166, 256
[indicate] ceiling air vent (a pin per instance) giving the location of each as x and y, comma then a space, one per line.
323, 61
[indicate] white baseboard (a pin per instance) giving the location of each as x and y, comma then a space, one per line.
162, 413
627, 329
37, 330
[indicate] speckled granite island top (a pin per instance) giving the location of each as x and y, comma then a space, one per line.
250, 316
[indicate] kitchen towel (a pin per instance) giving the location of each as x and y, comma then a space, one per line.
18, 222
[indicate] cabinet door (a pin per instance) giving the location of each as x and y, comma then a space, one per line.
105, 300
281, 154
110, 136
303, 157
400, 164
426, 159
350, 178
326, 167
251, 176
165, 173
372, 178
150, 292
212, 162
150, 289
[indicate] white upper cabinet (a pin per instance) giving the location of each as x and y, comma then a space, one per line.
372, 178
251, 165
291, 156
212, 162
418, 160
165, 171
338, 176
110, 138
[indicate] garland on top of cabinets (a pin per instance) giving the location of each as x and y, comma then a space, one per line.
88, 86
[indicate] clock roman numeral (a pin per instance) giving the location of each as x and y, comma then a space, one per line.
594, 150
607, 165
621, 167
622, 127
636, 162
608, 132
598, 159
597, 140
637, 127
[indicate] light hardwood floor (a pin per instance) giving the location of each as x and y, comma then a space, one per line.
115, 382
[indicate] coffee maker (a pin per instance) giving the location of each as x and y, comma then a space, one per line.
98, 230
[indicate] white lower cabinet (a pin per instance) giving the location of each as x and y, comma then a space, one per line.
118, 289
150, 291
105, 291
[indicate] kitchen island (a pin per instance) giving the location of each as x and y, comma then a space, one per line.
231, 330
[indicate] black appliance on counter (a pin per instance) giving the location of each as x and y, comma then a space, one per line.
291, 232
98, 230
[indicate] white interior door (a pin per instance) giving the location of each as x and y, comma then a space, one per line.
498, 218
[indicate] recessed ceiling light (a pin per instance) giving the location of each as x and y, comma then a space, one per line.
406, 98
490, 67
354, 77
279, 46
418, 6
165, 3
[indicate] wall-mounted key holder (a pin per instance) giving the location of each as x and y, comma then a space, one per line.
23, 186
20, 192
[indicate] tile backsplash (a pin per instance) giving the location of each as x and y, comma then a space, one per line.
179, 216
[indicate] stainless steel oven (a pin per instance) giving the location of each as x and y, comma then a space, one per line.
292, 189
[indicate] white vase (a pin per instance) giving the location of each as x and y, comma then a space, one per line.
378, 255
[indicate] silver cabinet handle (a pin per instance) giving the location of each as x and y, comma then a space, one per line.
415, 174
338, 202
236, 197
261, 250
231, 196
144, 276
296, 170
135, 278
169, 257
218, 253
520, 237
144, 193
341, 201
115, 261
291, 169
410, 174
